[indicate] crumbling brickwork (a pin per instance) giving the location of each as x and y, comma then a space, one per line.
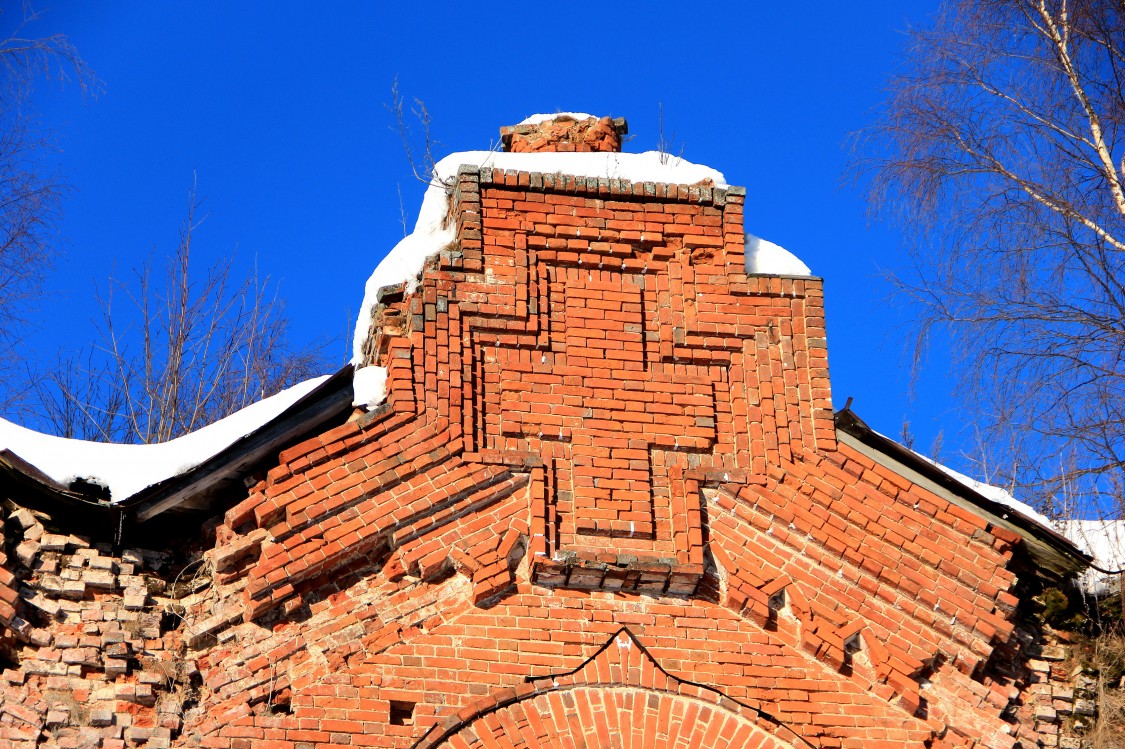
565, 134
604, 502
92, 659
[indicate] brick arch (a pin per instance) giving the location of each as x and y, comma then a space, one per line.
611, 718
620, 698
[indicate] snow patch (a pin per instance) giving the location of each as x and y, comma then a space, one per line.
369, 386
1104, 540
127, 469
766, 258
995, 493
433, 232
536, 119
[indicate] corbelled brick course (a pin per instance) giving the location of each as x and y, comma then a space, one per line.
604, 502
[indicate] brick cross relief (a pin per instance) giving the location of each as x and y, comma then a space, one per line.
609, 418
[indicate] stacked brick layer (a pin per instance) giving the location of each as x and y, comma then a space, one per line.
91, 659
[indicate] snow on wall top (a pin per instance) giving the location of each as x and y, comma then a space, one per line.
766, 258
431, 234
127, 469
535, 119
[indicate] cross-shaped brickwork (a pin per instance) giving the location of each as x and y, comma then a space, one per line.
606, 415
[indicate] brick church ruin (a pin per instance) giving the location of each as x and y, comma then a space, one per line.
601, 500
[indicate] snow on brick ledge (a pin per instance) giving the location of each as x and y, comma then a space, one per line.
369, 386
768, 259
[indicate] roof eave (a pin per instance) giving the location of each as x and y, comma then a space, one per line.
195, 489
198, 488
1050, 549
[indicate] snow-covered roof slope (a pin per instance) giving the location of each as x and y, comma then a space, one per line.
996, 494
766, 258
431, 234
1104, 540
127, 469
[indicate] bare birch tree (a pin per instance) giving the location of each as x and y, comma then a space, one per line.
29, 193
186, 350
1001, 149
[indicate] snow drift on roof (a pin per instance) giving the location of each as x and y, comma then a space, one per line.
988, 491
996, 494
127, 469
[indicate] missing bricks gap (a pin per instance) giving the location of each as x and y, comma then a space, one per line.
402, 713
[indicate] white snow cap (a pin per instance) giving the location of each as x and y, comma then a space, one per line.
127, 469
768, 259
369, 386
432, 234
536, 119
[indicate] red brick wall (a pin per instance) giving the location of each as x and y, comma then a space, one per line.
604, 498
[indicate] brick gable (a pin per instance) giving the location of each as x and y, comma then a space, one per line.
604, 501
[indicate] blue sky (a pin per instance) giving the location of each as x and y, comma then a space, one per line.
278, 109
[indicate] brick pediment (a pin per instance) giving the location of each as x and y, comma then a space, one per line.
586, 391
600, 338
603, 504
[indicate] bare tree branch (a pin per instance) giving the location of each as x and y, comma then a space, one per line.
997, 150
420, 156
29, 195
187, 350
